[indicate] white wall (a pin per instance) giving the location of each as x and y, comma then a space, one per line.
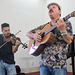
25, 15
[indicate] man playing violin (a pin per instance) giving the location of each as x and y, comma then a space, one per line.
7, 63
53, 57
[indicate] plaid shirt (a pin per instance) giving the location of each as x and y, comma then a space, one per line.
54, 55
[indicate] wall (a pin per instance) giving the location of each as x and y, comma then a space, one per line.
25, 15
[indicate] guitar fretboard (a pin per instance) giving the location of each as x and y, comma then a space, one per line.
54, 26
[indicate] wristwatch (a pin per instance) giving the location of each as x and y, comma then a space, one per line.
64, 34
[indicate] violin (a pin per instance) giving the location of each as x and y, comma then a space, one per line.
12, 38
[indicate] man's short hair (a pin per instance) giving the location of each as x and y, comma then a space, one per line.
54, 4
4, 25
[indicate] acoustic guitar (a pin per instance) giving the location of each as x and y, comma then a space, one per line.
48, 38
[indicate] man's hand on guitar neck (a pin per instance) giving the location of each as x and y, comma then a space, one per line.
61, 25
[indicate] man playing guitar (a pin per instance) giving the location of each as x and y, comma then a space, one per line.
53, 57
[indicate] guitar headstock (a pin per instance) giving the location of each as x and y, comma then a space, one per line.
72, 14
69, 16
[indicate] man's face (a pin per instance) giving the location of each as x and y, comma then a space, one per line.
54, 11
6, 31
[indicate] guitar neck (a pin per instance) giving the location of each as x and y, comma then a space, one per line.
54, 26
50, 29
67, 17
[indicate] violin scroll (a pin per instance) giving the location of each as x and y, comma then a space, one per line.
24, 45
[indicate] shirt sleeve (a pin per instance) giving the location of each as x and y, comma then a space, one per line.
38, 28
69, 28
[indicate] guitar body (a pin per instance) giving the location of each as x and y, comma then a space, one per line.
39, 46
